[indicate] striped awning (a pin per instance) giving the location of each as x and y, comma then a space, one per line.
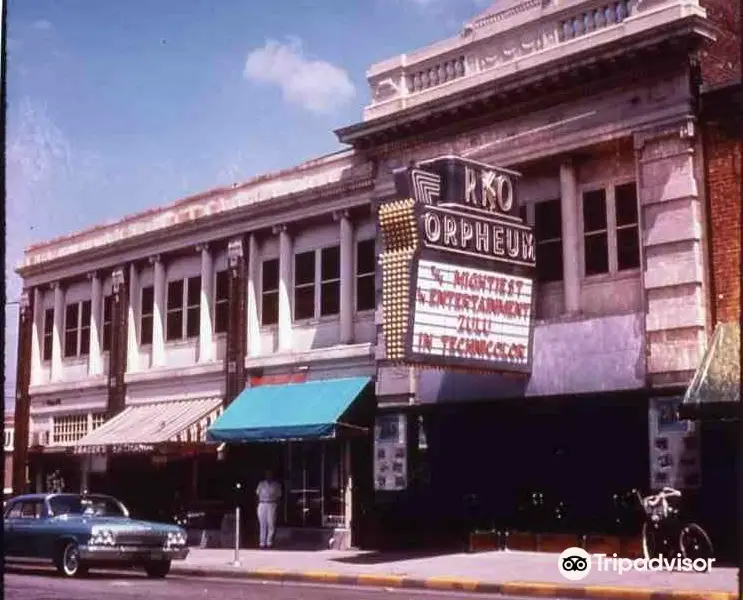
140, 428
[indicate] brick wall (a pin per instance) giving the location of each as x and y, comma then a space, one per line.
720, 61
723, 154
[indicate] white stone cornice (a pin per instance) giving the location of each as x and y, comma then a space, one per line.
335, 175
332, 354
252, 219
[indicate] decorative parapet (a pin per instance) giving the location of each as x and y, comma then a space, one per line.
519, 35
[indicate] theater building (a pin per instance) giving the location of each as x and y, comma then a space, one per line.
595, 105
255, 316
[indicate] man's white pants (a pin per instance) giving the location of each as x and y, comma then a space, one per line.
267, 522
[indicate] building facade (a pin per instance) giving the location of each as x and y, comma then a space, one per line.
178, 310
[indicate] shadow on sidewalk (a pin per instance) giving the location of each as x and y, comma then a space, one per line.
380, 557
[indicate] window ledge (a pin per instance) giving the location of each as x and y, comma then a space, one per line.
61, 386
162, 373
316, 321
609, 277
182, 343
75, 361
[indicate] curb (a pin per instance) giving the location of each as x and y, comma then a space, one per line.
512, 588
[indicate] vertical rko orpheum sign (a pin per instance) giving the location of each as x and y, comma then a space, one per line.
458, 269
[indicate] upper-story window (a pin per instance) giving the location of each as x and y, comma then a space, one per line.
610, 230
330, 281
628, 232
77, 329
304, 285
366, 258
548, 234
108, 316
184, 297
270, 292
317, 291
8, 441
147, 315
48, 334
221, 302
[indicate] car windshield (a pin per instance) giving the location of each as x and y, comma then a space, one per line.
98, 506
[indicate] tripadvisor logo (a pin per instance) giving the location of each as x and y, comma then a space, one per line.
575, 564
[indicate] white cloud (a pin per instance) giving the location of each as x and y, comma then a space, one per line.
316, 85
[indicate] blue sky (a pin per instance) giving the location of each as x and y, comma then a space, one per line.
115, 107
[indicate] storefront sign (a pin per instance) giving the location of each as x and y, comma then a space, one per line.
458, 268
390, 452
674, 447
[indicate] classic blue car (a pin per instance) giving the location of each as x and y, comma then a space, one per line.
77, 532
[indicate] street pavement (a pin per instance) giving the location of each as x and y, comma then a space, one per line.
44, 584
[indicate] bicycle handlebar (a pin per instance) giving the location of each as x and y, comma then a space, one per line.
653, 499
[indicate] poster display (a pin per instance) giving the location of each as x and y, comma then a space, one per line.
674, 447
390, 452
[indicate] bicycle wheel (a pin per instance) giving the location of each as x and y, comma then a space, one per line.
695, 543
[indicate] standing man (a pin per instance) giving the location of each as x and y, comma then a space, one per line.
269, 494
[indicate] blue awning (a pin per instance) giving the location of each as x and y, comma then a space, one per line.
294, 411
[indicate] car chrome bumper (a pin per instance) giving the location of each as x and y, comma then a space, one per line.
130, 554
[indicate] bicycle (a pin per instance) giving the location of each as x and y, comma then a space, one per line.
665, 533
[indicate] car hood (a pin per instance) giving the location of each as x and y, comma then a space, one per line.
121, 524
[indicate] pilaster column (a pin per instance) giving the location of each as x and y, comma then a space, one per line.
347, 278
95, 364
570, 234
117, 357
206, 328
135, 299
158, 316
285, 288
234, 357
58, 332
254, 330
672, 252
26, 312
37, 335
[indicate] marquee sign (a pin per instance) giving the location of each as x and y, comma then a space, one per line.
458, 268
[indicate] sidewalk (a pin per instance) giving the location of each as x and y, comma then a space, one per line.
515, 573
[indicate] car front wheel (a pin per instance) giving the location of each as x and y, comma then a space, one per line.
158, 569
68, 561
